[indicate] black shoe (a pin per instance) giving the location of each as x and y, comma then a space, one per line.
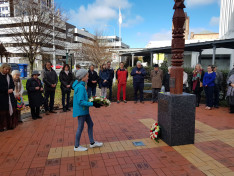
34, 118
2, 130
118, 101
20, 121
39, 117
64, 110
68, 109
125, 101
53, 112
216, 106
142, 102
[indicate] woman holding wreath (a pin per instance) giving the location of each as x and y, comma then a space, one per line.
81, 110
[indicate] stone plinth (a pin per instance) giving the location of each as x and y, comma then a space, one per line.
176, 117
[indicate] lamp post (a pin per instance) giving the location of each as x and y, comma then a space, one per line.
54, 49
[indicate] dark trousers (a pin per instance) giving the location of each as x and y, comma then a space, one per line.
231, 108
216, 95
91, 91
49, 94
209, 96
155, 92
198, 97
139, 86
64, 94
110, 91
35, 111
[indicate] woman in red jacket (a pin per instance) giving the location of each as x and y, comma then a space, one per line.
122, 76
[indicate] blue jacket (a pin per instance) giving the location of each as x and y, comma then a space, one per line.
80, 100
209, 79
104, 75
137, 78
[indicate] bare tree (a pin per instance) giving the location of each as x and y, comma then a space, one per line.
2, 51
36, 27
97, 50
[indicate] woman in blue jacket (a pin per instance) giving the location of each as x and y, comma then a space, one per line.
209, 83
104, 77
81, 110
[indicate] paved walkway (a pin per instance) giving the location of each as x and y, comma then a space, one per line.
45, 147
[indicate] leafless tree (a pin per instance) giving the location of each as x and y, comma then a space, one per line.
97, 50
2, 51
35, 27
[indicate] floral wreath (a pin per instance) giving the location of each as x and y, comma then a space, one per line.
154, 132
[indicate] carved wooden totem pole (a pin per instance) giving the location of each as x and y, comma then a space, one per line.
178, 44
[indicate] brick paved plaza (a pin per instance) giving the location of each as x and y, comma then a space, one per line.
45, 147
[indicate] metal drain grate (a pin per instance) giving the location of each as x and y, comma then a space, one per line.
138, 143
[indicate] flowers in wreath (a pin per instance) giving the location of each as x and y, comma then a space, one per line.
104, 101
154, 132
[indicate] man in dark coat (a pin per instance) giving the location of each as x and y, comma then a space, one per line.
92, 82
166, 80
50, 80
35, 90
111, 73
218, 85
138, 74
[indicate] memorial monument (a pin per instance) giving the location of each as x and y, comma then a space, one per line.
176, 110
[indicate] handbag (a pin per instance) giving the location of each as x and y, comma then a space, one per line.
20, 104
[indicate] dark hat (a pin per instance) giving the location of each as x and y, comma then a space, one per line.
156, 65
35, 72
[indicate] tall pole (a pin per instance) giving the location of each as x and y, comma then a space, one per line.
54, 50
178, 44
120, 22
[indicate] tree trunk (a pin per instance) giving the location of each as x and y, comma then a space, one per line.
31, 68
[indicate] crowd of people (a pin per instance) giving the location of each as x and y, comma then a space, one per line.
42, 91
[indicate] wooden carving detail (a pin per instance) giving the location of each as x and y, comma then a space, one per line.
178, 44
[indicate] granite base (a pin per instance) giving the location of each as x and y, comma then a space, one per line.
176, 117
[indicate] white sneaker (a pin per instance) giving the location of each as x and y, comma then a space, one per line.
80, 149
96, 144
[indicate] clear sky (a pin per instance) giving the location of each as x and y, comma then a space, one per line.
143, 20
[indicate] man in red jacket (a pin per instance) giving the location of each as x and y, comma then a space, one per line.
122, 76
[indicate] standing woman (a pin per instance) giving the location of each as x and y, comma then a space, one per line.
35, 90
104, 77
209, 83
18, 92
197, 80
230, 92
66, 79
81, 110
7, 99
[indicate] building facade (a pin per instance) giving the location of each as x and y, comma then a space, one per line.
226, 27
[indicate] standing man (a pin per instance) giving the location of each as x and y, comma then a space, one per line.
111, 77
78, 67
157, 78
218, 85
122, 76
138, 74
50, 80
92, 81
